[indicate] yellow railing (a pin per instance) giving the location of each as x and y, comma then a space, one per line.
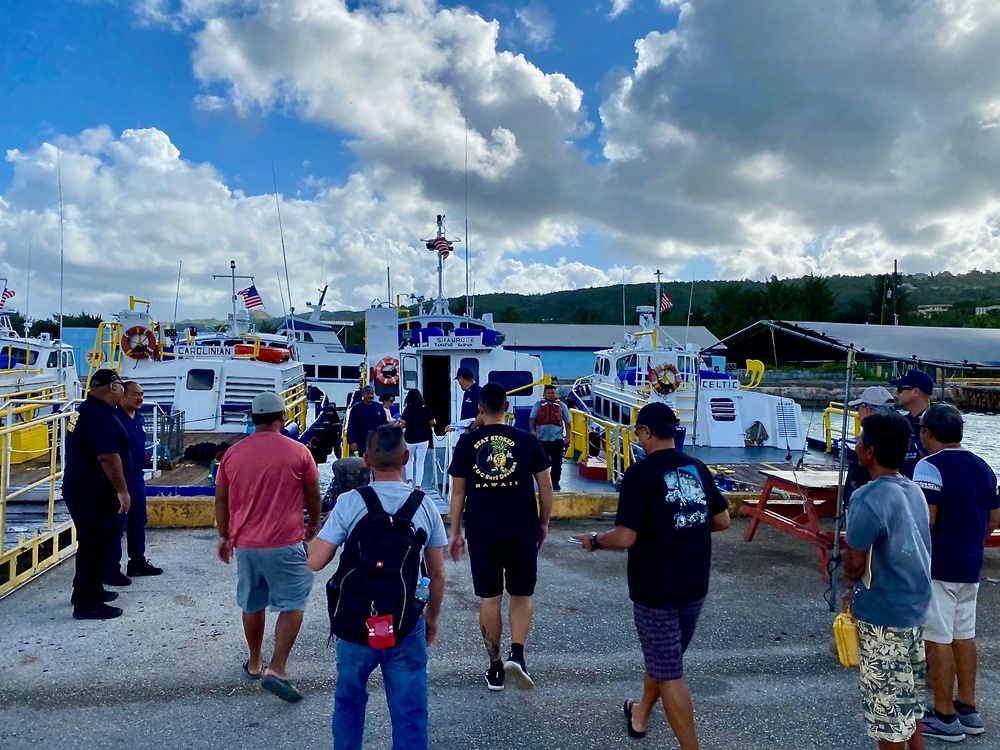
545, 380
616, 443
107, 351
46, 547
837, 409
296, 405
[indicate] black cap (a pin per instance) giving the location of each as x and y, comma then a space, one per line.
655, 416
464, 372
104, 377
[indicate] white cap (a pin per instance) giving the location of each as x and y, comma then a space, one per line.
875, 396
267, 403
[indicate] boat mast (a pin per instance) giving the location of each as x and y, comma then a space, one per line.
233, 277
656, 304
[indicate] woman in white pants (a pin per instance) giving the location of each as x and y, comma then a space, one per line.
417, 420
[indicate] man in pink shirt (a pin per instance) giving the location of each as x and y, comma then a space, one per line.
261, 486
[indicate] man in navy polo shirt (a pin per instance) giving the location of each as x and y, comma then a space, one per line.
470, 400
95, 491
133, 523
913, 391
961, 492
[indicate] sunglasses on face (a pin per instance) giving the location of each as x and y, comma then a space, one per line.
902, 388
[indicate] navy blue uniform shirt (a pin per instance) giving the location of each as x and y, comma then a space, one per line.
94, 431
470, 402
136, 429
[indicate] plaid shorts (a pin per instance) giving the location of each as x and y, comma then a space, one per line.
664, 635
893, 680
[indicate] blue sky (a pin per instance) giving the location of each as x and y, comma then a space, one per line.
710, 138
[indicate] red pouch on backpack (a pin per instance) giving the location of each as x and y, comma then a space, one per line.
380, 632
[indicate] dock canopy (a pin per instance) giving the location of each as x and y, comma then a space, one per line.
783, 342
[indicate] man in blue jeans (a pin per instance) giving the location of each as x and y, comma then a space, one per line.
404, 666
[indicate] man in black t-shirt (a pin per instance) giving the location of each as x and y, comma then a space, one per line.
494, 470
98, 459
668, 507
362, 418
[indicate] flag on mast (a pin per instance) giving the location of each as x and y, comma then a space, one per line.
443, 246
251, 297
665, 303
7, 294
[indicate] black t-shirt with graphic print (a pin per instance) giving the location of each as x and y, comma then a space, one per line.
499, 463
669, 499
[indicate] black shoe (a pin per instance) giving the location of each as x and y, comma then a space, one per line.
100, 612
495, 677
142, 568
109, 596
117, 579
519, 672
556, 487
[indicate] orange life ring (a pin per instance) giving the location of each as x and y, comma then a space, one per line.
264, 353
138, 342
665, 378
387, 371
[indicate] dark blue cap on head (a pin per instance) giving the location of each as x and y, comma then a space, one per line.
917, 379
104, 377
464, 372
656, 415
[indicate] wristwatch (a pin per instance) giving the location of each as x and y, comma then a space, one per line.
594, 544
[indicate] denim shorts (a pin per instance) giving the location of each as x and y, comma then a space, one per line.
278, 576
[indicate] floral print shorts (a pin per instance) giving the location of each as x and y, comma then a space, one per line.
893, 680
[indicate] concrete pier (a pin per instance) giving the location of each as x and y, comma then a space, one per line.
167, 674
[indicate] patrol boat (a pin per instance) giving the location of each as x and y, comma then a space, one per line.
424, 350
35, 363
715, 409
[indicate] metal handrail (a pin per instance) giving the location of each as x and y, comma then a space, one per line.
839, 409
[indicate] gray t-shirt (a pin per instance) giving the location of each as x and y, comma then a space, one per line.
889, 516
350, 508
550, 432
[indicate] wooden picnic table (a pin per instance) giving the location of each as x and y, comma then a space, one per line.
816, 497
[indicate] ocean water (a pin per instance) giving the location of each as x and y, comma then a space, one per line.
982, 433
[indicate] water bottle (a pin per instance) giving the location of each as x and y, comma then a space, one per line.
423, 592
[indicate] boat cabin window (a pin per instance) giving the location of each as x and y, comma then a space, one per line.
310, 370
597, 365
409, 373
511, 379
615, 412
17, 355
348, 372
200, 380
626, 415
329, 371
68, 359
473, 364
627, 363
307, 336
298, 336
53, 360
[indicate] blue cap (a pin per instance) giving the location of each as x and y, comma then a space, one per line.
916, 379
464, 372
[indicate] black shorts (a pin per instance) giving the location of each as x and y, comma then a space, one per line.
495, 560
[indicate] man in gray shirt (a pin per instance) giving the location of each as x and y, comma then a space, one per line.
888, 571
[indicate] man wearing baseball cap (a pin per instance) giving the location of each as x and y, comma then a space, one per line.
668, 507
913, 391
261, 486
470, 400
873, 399
97, 461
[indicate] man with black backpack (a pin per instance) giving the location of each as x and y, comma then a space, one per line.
382, 610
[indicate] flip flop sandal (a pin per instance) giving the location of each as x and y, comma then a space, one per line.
627, 710
281, 688
251, 675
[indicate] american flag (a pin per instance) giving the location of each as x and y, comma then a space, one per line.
251, 297
443, 246
665, 303
7, 294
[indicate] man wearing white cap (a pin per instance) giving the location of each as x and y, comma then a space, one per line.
873, 399
261, 486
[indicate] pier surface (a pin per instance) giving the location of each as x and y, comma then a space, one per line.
167, 674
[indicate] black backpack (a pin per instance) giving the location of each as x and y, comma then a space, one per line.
378, 571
